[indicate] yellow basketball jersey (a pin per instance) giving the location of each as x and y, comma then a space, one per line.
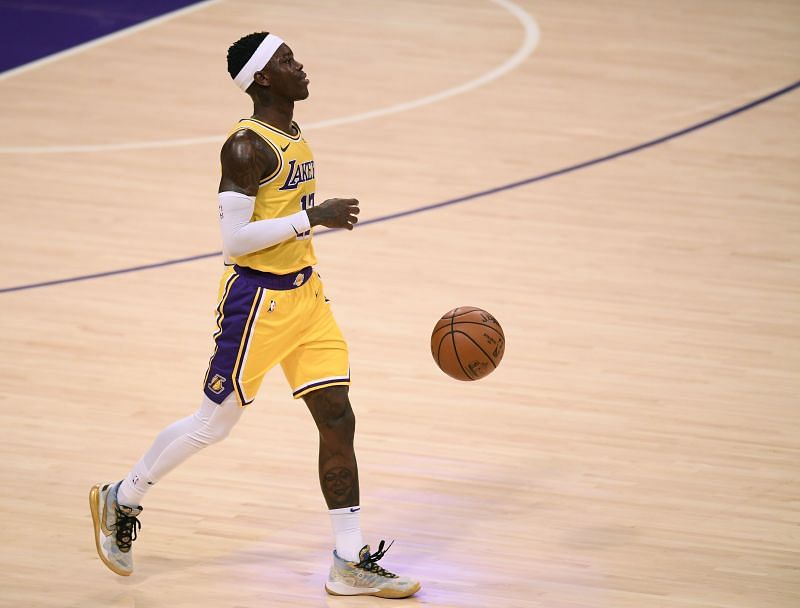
288, 190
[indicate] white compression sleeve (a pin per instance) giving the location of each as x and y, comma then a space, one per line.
176, 443
241, 236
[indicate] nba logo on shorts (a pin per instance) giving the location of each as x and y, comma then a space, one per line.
216, 384
299, 280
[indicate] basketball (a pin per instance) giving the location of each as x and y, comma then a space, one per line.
467, 343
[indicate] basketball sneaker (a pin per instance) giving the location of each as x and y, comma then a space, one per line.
366, 577
115, 528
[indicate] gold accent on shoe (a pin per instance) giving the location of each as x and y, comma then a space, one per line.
104, 514
100, 528
391, 594
365, 577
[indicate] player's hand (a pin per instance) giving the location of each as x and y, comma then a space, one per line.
335, 213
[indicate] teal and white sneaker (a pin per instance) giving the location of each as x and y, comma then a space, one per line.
115, 528
366, 577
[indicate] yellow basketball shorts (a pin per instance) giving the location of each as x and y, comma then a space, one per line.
265, 319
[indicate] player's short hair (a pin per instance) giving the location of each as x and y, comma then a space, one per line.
239, 52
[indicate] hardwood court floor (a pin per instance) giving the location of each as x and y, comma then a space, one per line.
639, 445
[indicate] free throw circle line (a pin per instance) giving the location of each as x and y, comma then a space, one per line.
529, 44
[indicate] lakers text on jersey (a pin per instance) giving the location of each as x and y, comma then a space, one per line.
271, 306
289, 189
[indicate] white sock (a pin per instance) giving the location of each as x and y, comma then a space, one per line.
347, 530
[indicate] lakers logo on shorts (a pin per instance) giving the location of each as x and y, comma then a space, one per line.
251, 338
216, 385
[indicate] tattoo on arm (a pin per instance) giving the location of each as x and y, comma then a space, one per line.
245, 160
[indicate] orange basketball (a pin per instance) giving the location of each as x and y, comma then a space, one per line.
467, 343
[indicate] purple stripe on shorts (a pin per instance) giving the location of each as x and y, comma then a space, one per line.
235, 310
248, 333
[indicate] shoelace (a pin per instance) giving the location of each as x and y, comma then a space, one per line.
370, 564
127, 528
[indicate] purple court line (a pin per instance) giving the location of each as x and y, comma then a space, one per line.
454, 201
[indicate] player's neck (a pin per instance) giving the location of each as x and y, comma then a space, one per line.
278, 114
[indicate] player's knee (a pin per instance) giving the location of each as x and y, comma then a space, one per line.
211, 430
213, 422
218, 433
343, 424
333, 413
209, 434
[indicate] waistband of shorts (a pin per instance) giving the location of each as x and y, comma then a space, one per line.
277, 282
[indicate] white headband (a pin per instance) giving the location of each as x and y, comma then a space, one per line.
263, 54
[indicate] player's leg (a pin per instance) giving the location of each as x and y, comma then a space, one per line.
210, 424
115, 507
355, 569
241, 357
318, 371
338, 470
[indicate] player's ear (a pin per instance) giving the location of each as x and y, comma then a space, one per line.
261, 78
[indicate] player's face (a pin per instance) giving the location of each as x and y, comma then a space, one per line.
286, 75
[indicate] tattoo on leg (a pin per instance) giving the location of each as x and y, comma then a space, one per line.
338, 484
338, 470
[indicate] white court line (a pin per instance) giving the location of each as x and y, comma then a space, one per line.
529, 43
107, 38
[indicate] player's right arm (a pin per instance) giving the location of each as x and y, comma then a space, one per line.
245, 160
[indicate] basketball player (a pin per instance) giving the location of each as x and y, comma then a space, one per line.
272, 309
